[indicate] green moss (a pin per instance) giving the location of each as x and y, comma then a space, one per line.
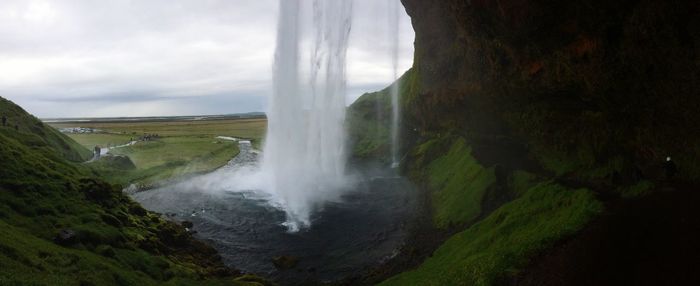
459, 183
521, 181
430, 149
411, 85
556, 162
497, 246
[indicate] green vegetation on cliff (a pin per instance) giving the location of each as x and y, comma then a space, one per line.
62, 226
44, 136
493, 249
458, 184
369, 120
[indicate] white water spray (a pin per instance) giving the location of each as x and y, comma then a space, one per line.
394, 90
304, 154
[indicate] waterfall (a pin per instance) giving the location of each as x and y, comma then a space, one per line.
304, 153
394, 90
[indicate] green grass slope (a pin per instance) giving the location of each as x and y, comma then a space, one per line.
459, 184
115, 241
26, 123
369, 121
493, 249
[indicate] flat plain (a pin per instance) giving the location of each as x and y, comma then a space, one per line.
181, 147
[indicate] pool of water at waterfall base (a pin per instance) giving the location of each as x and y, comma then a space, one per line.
347, 237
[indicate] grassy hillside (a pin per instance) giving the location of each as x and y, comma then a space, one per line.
369, 121
26, 123
107, 239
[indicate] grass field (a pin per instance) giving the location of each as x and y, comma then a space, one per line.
120, 132
183, 147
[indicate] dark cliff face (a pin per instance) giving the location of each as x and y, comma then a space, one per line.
587, 82
578, 85
512, 104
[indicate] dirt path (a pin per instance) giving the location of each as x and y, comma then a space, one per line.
653, 240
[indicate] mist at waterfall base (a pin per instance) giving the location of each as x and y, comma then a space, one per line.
362, 228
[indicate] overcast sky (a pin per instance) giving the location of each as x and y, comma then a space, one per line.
76, 58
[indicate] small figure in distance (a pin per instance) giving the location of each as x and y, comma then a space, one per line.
16, 127
671, 168
4, 120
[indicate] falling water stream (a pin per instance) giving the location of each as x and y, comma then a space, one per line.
394, 90
304, 156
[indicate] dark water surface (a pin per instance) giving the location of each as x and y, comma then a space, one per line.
365, 227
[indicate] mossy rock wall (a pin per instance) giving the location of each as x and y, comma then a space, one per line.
584, 85
510, 103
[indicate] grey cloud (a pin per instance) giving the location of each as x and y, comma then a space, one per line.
133, 57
